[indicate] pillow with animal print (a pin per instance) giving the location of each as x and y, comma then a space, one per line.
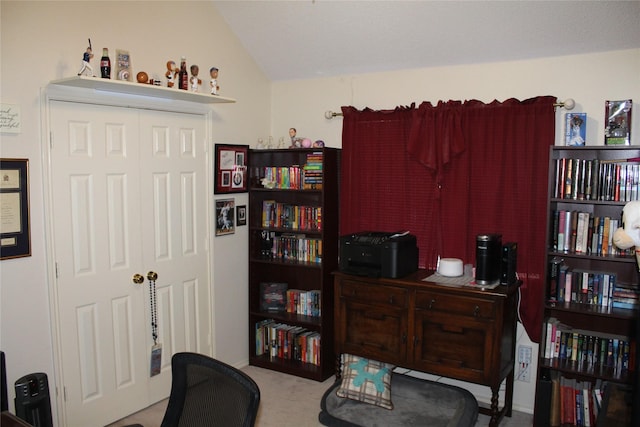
366, 381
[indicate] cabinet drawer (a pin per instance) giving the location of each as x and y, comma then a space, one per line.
374, 294
464, 306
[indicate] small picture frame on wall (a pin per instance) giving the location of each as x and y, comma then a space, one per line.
231, 168
225, 213
15, 235
241, 214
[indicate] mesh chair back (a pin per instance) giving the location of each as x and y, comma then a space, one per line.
207, 392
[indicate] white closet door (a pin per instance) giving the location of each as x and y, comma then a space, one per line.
125, 201
174, 230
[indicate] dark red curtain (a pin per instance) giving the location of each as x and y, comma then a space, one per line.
450, 172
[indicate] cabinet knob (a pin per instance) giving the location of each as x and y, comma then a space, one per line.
391, 300
404, 338
433, 301
476, 311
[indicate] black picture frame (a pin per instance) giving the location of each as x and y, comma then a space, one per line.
15, 229
230, 164
241, 215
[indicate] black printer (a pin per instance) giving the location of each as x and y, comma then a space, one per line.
379, 254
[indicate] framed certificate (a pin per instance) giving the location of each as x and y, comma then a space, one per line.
15, 237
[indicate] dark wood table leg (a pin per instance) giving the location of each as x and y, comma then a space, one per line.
508, 397
495, 420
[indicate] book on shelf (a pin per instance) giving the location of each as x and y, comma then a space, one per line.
554, 413
312, 171
277, 297
281, 177
588, 351
576, 402
618, 122
594, 179
587, 234
575, 129
290, 216
587, 287
289, 342
625, 296
262, 336
306, 303
273, 296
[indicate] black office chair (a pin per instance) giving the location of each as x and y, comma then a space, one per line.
207, 393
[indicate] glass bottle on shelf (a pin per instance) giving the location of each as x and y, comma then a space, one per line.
105, 64
183, 75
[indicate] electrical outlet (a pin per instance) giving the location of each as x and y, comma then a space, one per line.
524, 354
523, 368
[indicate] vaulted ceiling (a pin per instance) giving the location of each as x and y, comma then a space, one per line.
303, 39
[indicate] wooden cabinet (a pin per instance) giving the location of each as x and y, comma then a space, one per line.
585, 317
273, 243
459, 332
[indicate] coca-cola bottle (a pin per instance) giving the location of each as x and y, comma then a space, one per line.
105, 64
183, 75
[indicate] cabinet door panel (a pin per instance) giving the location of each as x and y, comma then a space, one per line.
374, 332
453, 345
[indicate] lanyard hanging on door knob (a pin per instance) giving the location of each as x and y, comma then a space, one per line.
153, 276
156, 348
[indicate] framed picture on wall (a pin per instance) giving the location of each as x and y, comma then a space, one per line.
241, 215
15, 236
225, 217
231, 168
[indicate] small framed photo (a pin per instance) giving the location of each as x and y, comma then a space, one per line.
241, 214
225, 213
15, 235
231, 168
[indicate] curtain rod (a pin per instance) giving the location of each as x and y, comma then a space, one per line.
331, 114
567, 104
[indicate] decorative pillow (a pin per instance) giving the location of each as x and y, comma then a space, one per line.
366, 381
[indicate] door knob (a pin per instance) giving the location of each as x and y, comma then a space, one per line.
152, 275
138, 278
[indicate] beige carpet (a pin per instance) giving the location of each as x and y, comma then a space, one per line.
290, 401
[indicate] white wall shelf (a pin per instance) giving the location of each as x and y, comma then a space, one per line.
141, 89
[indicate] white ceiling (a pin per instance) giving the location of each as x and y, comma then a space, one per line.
317, 38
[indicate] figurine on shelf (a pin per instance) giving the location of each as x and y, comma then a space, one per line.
86, 57
172, 72
194, 81
295, 142
213, 72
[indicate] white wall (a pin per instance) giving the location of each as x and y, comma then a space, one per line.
588, 79
44, 41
